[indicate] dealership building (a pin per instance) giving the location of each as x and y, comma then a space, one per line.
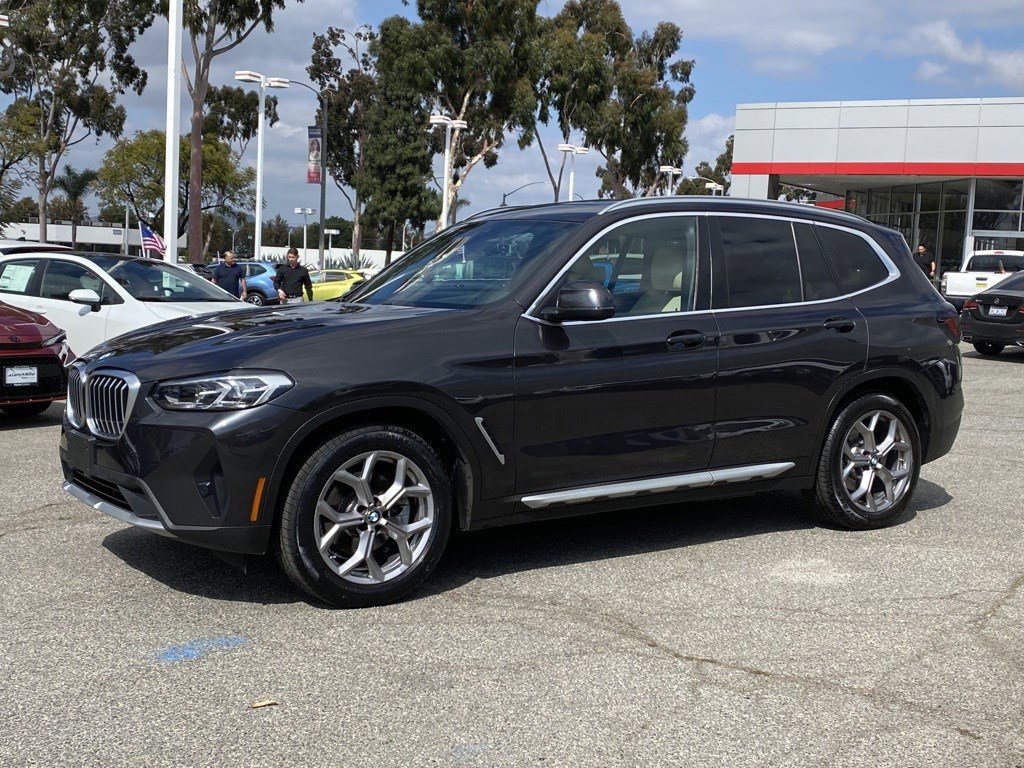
947, 173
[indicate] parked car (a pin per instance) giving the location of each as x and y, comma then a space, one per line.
767, 346
96, 296
333, 283
994, 319
981, 270
33, 353
259, 282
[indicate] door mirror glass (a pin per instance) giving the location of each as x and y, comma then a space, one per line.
581, 301
86, 296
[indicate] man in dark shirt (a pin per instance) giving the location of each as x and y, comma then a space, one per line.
925, 261
230, 276
291, 279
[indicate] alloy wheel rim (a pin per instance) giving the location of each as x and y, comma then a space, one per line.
374, 517
877, 462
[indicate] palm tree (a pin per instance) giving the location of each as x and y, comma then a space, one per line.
75, 184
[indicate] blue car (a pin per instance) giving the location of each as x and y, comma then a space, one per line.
258, 279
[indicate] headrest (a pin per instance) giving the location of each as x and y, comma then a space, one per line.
667, 269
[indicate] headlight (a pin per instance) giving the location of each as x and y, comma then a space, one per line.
55, 339
222, 392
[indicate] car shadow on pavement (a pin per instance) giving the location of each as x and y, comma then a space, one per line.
500, 551
49, 418
1009, 355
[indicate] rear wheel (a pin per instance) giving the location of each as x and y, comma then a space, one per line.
870, 464
988, 348
367, 517
256, 298
25, 410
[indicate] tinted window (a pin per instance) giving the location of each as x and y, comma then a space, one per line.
854, 263
995, 263
760, 261
1015, 283
256, 269
650, 266
17, 276
63, 277
818, 282
467, 266
156, 281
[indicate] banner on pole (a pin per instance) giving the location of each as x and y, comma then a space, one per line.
313, 167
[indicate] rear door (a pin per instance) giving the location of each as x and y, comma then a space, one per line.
788, 335
632, 396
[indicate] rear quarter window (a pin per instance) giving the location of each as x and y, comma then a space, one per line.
855, 264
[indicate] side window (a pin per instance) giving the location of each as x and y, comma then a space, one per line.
760, 261
854, 263
63, 277
818, 281
649, 265
255, 269
18, 276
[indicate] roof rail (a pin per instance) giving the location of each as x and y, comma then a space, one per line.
664, 200
478, 214
641, 201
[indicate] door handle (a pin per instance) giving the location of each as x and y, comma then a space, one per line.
839, 324
686, 339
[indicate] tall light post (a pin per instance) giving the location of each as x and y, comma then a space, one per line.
322, 97
570, 151
506, 195
172, 129
248, 76
330, 243
306, 213
449, 125
671, 171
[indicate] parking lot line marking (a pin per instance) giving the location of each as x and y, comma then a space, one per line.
197, 649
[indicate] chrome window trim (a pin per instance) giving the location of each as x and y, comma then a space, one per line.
893, 270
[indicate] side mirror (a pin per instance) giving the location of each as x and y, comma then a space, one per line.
581, 301
86, 296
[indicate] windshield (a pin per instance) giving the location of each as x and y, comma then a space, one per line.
154, 281
996, 262
468, 266
1015, 283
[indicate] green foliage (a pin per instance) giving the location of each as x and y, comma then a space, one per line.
232, 115
721, 172
18, 211
355, 261
73, 62
133, 172
64, 210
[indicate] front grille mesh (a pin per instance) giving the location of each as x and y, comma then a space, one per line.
107, 405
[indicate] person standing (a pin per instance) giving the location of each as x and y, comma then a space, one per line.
230, 276
291, 279
925, 261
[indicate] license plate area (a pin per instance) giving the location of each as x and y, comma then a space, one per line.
81, 452
21, 376
997, 311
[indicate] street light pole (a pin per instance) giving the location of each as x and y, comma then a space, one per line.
570, 151
172, 129
506, 195
449, 124
305, 224
248, 76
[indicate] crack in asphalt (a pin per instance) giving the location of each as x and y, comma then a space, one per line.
982, 620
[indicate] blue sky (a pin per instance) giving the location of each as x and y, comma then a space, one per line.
746, 51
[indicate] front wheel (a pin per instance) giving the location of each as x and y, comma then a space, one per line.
256, 299
988, 348
367, 517
870, 464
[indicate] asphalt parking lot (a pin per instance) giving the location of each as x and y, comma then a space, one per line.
734, 633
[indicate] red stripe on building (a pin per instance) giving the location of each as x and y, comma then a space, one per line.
878, 169
837, 205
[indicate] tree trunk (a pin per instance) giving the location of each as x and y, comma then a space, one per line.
391, 241
42, 199
195, 178
74, 233
357, 228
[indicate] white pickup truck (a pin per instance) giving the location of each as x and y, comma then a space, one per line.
980, 271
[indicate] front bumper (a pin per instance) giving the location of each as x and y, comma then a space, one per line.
191, 476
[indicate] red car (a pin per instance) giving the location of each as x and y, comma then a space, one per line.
33, 356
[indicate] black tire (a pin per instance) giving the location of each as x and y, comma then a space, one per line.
829, 496
296, 544
25, 410
256, 298
989, 349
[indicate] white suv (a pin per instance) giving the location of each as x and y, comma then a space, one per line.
96, 296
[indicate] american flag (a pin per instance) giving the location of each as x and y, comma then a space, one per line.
151, 241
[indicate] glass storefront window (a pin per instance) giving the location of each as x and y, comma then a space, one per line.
902, 200
998, 195
1001, 221
955, 194
931, 196
928, 231
878, 202
954, 229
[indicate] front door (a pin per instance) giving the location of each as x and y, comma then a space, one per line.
632, 396
85, 328
787, 338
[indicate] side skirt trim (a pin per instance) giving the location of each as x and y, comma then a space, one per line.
703, 479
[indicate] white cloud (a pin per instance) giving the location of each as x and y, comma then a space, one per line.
707, 137
987, 64
931, 71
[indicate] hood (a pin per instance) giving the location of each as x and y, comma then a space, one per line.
23, 329
247, 338
176, 310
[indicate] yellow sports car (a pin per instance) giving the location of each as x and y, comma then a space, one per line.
332, 283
